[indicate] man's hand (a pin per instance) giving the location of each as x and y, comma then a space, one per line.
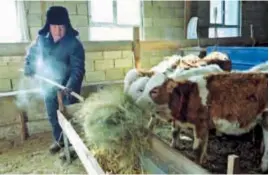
67, 92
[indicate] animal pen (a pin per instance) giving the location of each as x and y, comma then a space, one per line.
161, 155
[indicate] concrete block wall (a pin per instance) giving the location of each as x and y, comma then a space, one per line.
163, 20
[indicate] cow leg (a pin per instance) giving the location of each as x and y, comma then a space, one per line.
264, 162
175, 135
202, 140
152, 121
195, 139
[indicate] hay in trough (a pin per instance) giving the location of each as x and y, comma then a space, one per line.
115, 130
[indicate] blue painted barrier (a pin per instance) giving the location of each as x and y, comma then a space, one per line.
243, 57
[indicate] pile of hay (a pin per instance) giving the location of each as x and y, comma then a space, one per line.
115, 130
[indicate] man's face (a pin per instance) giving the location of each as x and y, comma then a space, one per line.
57, 32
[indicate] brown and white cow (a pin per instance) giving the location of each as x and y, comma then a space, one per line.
232, 103
216, 58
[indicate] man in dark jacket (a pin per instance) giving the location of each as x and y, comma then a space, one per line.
59, 56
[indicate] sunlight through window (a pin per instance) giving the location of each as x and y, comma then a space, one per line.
9, 28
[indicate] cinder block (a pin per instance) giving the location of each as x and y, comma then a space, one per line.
179, 13
114, 74
9, 111
177, 22
156, 12
34, 32
16, 59
48, 4
71, 7
103, 64
148, 12
58, 3
152, 33
179, 4
35, 7
10, 132
127, 54
83, 33
82, 8
94, 55
89, 65
122, 63
5, 72
95, 76
79, 20
147, 22
147, 5
161, 22
145, 63
5, 85
39, 126
167, 12
152, 12
112, 54
173, 33
34, 20
3, 61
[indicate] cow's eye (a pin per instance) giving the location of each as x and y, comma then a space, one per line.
140, 90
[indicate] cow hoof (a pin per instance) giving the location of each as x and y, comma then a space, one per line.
173, 144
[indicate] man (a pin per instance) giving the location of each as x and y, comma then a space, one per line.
59, 56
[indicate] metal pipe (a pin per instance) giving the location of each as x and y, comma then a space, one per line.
74, 94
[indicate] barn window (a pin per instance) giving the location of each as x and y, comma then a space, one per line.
12, 28
113, 19
227, 21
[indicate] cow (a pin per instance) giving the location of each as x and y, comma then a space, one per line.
132, 75
231, 103
218, 58
263, 67
137, 87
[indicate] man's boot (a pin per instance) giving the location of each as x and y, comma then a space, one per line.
56, 147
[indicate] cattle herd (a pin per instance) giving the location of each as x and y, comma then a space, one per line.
203, 94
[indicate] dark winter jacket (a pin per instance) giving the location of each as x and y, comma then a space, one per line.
63, 62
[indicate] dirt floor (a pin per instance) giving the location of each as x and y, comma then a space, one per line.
220, 147
33, 157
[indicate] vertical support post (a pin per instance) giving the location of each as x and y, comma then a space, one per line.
136, 47
187, 15
233, 164
24, 129
43, 12
66, 142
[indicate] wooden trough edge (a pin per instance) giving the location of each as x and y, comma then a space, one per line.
159, 148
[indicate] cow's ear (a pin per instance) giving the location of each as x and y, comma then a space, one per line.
170, 85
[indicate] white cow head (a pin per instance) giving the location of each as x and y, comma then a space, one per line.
129, 78
137, 87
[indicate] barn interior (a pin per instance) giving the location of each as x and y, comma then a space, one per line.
117, 37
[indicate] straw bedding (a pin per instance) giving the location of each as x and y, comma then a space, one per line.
114, 129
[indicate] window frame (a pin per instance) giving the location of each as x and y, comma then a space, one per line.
223, 25
115, 21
